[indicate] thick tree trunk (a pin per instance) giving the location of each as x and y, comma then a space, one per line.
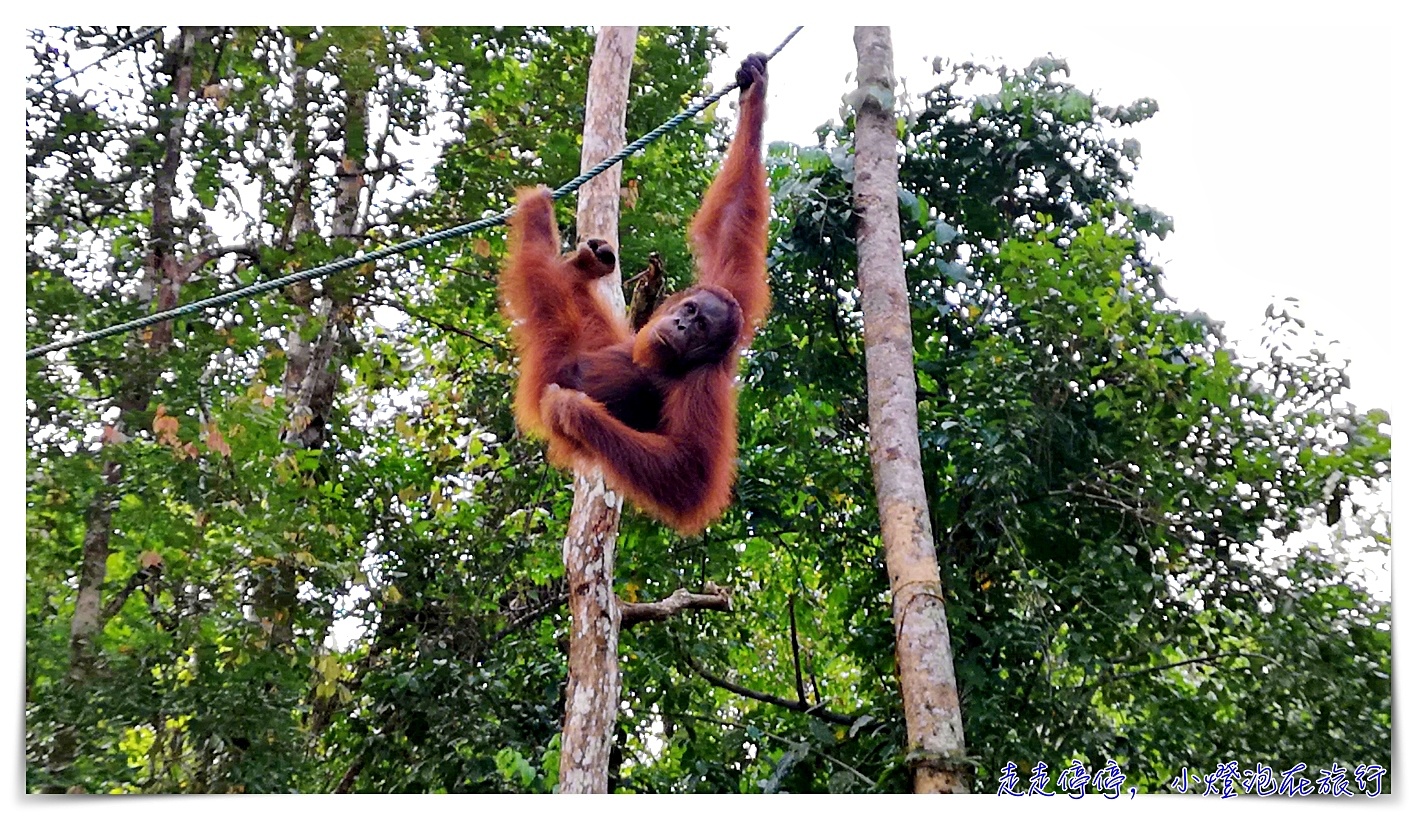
163, 276
934, 733
593, 670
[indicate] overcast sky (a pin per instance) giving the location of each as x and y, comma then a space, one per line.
1282, 148
1274, 149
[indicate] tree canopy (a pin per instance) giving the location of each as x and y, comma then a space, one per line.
354, 582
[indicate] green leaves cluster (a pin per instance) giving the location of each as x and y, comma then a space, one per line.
378, 614
1109, 481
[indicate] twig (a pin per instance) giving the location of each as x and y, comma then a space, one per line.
528, 617
819, 710
443, 326
1211, 660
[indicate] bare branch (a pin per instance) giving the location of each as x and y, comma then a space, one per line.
428, 320
347, 781
713, 598
1209, 660
483, 275
818, 710
528, 617
797, 652
782, 739
200, 259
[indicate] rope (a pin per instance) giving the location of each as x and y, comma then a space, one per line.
140, 37
658, 131
393, 250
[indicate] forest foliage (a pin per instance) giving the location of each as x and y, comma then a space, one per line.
1146, 535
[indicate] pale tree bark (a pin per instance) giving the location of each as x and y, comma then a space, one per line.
934, 733
593, 669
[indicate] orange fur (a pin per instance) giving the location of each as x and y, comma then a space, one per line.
682, 470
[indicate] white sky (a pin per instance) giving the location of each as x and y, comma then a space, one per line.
1271, 150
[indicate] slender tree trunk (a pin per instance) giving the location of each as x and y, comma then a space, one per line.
593, 670
934, 734
312, 377
163, 276
598, 201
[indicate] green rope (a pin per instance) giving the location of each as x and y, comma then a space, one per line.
659, 130
393, 250
140, 37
